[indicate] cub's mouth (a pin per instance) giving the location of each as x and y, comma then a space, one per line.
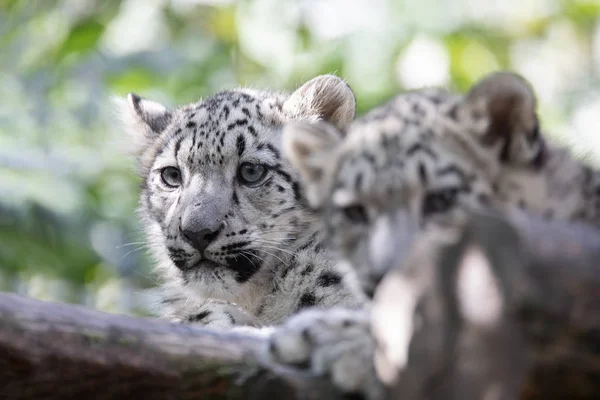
243, 265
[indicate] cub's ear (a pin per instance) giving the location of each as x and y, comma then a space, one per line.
144, 120
504, 104
325, 97
311, 149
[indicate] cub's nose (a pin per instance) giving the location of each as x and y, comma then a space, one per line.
201, 238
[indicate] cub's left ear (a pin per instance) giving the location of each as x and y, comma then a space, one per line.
143, 119
506, 104
310, 148
325, 97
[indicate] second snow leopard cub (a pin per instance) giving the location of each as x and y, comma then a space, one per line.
405, 166
233, 239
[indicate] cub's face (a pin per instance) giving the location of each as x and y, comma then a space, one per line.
413, 163
219, 204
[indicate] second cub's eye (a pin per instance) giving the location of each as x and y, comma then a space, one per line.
356, 214
251, 174
439, 201
171, 176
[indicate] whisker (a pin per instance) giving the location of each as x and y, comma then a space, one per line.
131, 252
276, 248
273, 255
130, 244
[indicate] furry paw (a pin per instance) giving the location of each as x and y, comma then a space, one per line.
217, 314
336, 343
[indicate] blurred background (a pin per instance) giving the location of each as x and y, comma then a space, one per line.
68, 231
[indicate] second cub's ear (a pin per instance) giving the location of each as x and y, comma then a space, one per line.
311, 148
507, 103
325, 97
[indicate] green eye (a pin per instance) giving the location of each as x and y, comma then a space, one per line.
171, 176
251, 174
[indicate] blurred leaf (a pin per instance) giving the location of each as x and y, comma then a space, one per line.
82, 39
134, 79
582, 12
471, 58
221, 23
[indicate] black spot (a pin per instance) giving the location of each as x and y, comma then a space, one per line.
505, 152
200, 316
453, 112
261, 309
239, 122
170, 300
241, 145
190, 124
236, 201
273, 150
284, 175
245, 266
230, 317
310, 242
452, 169
307, 270
178, 146
423, 174
252, 131
358, 181
329, 278
296, 189
416, 148
307, 300
243, 231
416, 108
280, 188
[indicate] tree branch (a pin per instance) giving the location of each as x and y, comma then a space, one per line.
57, 351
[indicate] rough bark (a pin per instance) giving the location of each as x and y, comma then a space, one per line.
57, 351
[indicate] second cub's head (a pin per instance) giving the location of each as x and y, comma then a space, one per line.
413, 163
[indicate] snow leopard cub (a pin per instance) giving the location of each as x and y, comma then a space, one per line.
410, 165
234, 241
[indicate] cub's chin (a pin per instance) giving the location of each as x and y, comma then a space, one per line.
216, 280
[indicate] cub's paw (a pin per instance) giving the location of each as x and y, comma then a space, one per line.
217, 314
336, 343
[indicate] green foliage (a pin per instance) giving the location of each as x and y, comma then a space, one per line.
67, 191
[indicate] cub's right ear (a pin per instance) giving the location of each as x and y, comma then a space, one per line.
311, 148
144, 120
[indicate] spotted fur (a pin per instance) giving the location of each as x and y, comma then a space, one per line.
233, 239
410, 165
425, 155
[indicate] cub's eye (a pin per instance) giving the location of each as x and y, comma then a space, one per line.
356, 214
171, 176
251, 174
439, 201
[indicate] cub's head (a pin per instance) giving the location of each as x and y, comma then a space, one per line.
218, 202
413, 163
